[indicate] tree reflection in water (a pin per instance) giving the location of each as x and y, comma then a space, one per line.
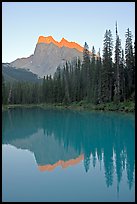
60, 137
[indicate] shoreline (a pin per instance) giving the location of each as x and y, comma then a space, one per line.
128, 106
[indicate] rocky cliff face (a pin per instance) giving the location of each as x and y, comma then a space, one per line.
48, 55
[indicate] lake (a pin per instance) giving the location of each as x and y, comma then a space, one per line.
63, 155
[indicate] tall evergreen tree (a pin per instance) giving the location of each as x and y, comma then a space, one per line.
66, 80
85, 70
77, 79
129, 59
97, 79
122, 77
92, 73
44, 89
117, 68
57, 86
107, 69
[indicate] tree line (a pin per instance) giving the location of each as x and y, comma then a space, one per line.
95, 79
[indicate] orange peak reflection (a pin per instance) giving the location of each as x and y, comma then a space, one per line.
63, 164
62, 43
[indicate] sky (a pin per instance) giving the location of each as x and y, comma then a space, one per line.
24, 22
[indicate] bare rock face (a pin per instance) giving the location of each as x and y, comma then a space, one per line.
48, 55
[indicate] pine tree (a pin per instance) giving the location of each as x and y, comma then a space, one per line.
117, 68
91, 81
107, 68
57, 86
77, 80
50, 89
78, 77
122, 77
97, 79
85, 71
44, 89
66, 80
72, 81
129, 58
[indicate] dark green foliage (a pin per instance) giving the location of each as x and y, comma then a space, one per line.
130, 65
85, 79
117, 68
122, 77
92, 78
107, 69
97, 80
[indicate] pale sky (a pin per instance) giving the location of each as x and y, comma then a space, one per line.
24, 22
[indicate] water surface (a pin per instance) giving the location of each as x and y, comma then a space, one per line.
53, 155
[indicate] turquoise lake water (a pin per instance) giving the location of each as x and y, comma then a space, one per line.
63, 155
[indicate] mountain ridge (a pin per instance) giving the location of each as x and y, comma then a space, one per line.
12, 74
48, 55
63, 42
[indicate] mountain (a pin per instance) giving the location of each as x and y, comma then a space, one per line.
46, 158
49, 151
48, 55
12, 74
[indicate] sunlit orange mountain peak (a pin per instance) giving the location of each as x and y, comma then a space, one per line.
48, 55
62, 43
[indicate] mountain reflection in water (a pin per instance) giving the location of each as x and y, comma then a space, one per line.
64, 138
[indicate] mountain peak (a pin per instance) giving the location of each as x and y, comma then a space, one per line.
48, 55
47, 40
63, 42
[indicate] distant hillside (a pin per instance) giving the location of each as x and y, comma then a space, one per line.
12, 74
